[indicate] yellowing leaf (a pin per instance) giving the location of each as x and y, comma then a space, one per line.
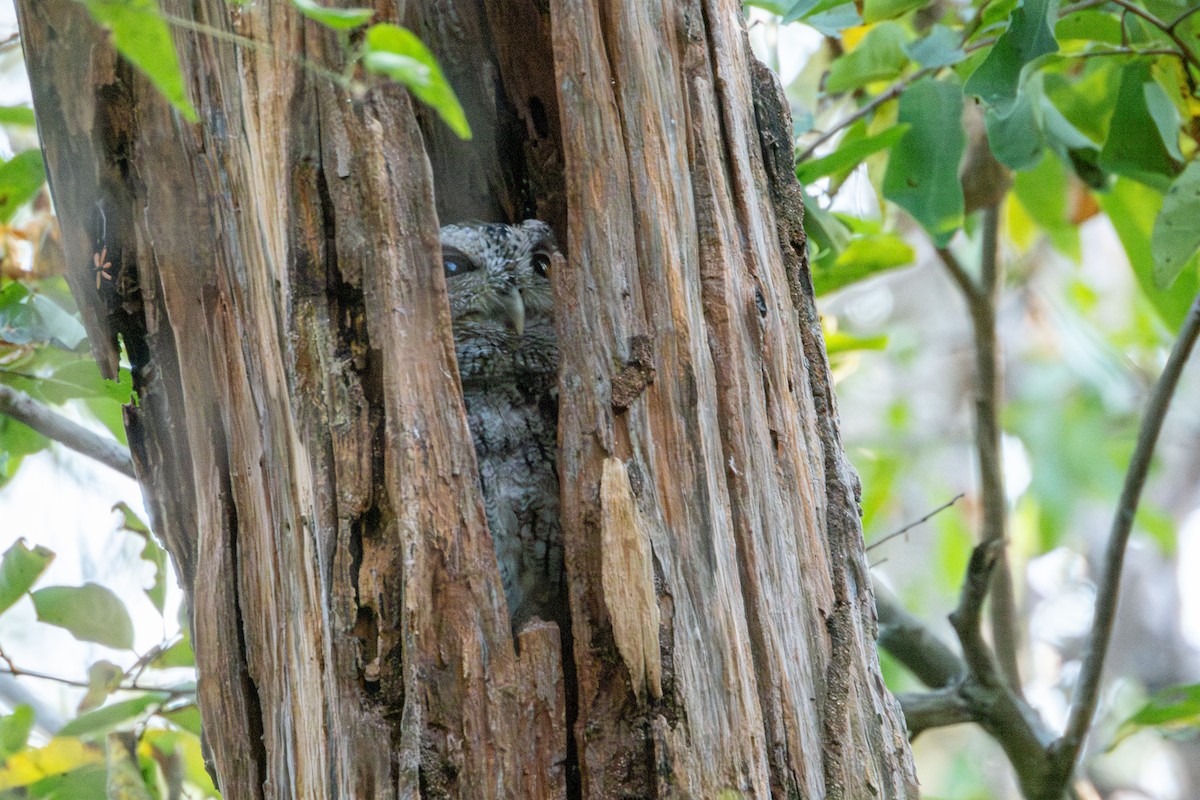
61, 754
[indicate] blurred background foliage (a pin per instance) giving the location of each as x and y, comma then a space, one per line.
1078, 121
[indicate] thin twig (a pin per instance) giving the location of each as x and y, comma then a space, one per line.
1066, 749
921, 521
1166, 28
24, 408
1125, 51
894, 91
1175, 23
958, 272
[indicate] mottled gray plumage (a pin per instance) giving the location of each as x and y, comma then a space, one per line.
497, 277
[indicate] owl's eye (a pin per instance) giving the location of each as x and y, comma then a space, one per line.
541, 264
457, 264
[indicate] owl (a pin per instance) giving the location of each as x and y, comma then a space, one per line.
497, 277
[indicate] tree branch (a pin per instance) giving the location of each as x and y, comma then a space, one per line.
936, 709
1167, 28
914, 645
1066, 750
23, 408
982, 297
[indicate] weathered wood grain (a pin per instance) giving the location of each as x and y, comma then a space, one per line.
300, 433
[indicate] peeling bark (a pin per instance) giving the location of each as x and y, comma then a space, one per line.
300, 434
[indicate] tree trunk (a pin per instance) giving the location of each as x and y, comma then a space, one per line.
299, 431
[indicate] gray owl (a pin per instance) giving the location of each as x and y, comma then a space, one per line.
497, 277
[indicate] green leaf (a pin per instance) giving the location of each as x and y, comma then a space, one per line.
863, 257
91, 613
1132, 208
879, 56
922, 173
1015, 137
339, 19
104, 678
808, 8
141, 35
1135, 146
1176, 234
397, 53
14, 731
20, 179
1089, 26
939, 48
186, 717
177, 655
30, 317
105, 719
151, 553
876, 10
1045, 195
1175, 708
17, 115
848, 155
835, 20
19, 570
1028, 37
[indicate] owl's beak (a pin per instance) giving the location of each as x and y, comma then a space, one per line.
512, 307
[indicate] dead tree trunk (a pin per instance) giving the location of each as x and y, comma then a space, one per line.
299, 431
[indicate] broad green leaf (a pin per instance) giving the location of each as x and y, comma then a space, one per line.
104, 678
939, 48
1175, 708
20, 179
140, 34
848, 155
1087, 101
151, 553
110, 414
876, 10
1176, 234
1015, 136
177, 655
14, 731
77, 379
1089, 26
397, 53
17, 440
19, 570
59, 757
186, 717
339, 19
835, 20
1044, 193
89, 780
879, 56
31, 317
779, 7
1166, 117
1135, 146
91, 613
1028, 37
922, 173
17, 115
838, 343
109, 717
1132, 207
863, 257
807, 8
